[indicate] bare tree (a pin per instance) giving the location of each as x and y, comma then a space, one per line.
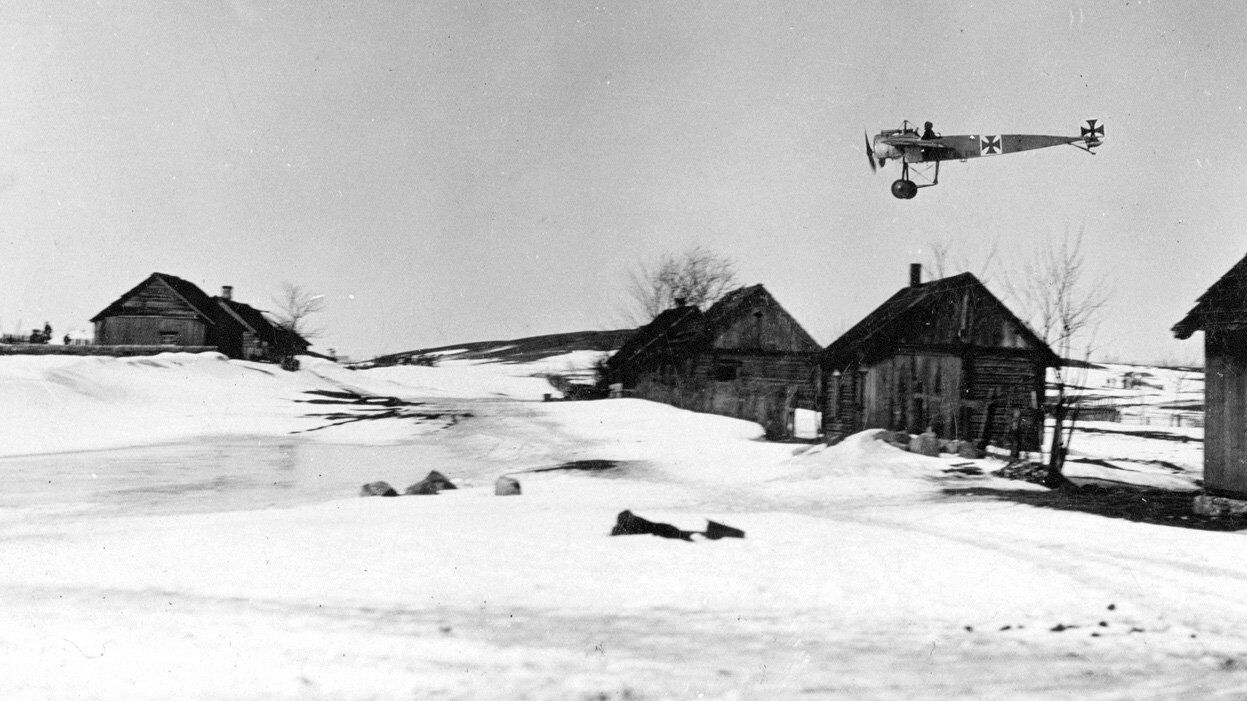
294, 305
698, 276
1063, 305
1055, 295
943, 262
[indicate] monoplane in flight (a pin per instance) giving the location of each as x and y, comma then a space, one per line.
921, 154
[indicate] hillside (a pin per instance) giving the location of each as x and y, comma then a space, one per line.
518, 350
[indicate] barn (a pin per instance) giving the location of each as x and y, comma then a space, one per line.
945, 355
165, 310
744, 357
1221, 313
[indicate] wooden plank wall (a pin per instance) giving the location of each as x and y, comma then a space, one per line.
766, 387
942, 391
146, 330
1225, 418
1009, 383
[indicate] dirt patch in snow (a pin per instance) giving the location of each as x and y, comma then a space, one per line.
1157, 435
359, 407
1145, 506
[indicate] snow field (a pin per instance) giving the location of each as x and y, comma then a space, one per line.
864, 573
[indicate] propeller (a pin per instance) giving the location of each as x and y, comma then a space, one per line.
870, 153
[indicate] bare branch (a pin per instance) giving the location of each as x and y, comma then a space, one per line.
1053, 293
943, 262
294, 305
698, 276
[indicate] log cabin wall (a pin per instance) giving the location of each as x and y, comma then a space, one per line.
759, 388
1009, 388
150, 331
1225, 407
947, 393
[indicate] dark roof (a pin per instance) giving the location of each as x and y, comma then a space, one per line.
682, 325
188, 291
250, 316
673, 324
1224, 304
731, 303
878, 328
266, 329
287, 339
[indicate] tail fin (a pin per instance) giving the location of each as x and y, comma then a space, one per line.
1093, 133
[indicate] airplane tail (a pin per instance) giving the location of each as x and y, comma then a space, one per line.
1093, 133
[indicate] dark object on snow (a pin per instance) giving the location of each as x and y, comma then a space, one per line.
628, 523
970, 451
506, 487
421, 487
715, 530
431, 484
377, 489
439, 480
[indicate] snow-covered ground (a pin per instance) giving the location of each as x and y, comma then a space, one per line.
1157, 439
225, 554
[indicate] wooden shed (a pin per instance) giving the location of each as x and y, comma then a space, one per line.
165, 310
945, 355
1221, 313
744, 357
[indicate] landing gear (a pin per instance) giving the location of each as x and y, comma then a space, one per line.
904, 189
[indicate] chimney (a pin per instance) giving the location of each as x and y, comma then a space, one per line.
915, 274
227, 291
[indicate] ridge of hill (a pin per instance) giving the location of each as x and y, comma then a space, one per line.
518, 350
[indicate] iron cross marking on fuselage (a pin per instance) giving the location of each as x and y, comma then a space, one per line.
989, 145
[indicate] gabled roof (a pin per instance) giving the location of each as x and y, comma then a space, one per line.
877, 331
673, 324
249, 316
1224, 304
190, 293
684, 325
729, 305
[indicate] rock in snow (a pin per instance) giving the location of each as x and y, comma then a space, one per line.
925, 444
377, 489
433, 483
506, 487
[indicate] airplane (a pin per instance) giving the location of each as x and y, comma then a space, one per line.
909, 148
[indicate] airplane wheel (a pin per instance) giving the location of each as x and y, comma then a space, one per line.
904, 189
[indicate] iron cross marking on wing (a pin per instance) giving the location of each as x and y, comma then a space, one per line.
1092, 129
989, 145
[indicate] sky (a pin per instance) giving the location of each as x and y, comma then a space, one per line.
446, 172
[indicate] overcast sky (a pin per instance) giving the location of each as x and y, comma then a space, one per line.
462, 171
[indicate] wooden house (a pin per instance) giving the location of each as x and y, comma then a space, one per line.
945, 355
1221, 313
744, 357
165, 310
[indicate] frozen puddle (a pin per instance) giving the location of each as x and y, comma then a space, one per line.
208, 476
